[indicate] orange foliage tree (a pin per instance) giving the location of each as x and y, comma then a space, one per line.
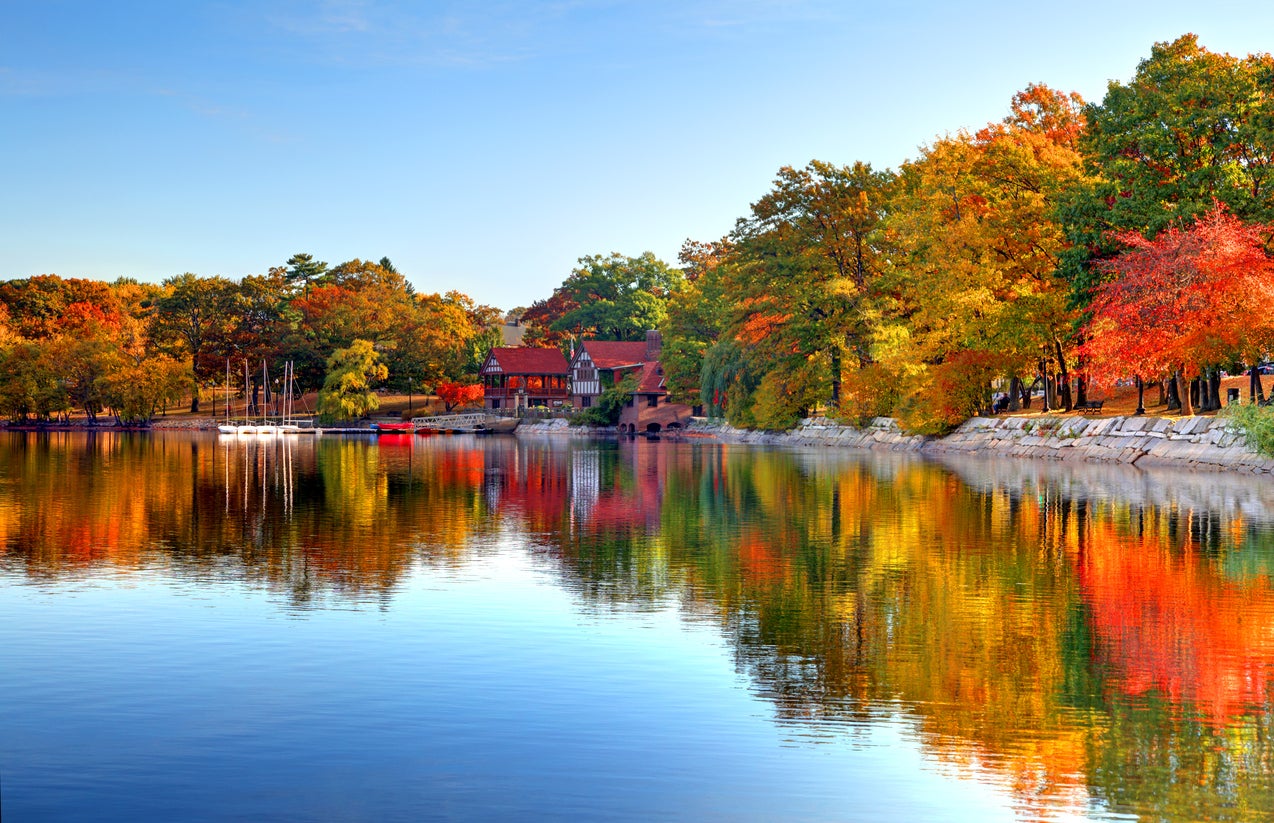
1190, 297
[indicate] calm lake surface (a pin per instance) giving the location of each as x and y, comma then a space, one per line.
411, 628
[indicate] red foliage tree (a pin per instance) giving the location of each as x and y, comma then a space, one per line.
1190, 297
458, 394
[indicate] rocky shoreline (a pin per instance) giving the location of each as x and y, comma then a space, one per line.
1201, 443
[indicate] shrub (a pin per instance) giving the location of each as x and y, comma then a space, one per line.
1256, 424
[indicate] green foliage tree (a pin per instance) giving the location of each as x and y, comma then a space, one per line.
351, 374
189, 316
31, 383
303, 271
698, 313
137, 385
617, 297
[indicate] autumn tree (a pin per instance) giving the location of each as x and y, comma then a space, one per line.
31, 385
541, 321
36, 305
138, 384
1190, 297
7, 334
431, 343
975, 252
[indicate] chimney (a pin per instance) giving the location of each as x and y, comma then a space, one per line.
654, 345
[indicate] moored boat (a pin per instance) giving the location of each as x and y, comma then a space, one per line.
470, 423
392, 427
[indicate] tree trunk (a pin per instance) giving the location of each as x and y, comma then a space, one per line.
1163, 397
1028, 393
1214, 383
1256, 392
1064, 377
1174, 392
835, 380
1081, 390
1187, 401
1194, 395
1015, 391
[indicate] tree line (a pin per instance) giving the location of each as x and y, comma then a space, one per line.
132, 348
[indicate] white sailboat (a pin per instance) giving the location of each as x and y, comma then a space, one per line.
266, 428
287, 426
246, 427
228, 427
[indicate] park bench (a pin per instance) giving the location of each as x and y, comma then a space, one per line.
1091, 407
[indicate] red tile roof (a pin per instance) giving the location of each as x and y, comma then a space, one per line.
652, 379
521, 360
610, 354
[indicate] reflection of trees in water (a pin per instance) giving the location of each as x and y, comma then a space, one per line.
1079, 632
1024, 625
336, 516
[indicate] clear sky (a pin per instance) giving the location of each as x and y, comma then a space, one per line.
486, 146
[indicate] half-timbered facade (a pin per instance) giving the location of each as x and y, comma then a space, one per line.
516, 377
600, 364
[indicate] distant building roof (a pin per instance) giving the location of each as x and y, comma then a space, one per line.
523, 360
610, 354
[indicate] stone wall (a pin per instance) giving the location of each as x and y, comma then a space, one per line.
1188, 442
560, 426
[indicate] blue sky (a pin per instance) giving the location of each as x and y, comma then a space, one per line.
486, 146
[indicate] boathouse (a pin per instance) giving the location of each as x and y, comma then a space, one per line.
515, 377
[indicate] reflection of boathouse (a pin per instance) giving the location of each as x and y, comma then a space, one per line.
516, 377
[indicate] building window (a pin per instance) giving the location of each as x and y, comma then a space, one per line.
653, 401
585, 402
495, 403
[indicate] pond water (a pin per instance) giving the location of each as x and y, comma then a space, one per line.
454, 628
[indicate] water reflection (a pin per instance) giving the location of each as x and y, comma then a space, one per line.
1093, 638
